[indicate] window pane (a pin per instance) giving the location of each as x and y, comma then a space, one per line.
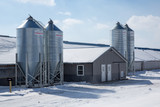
80, 68
80, 72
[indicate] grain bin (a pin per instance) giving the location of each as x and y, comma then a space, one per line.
130, 46
59, 40
119, 39
29, 48
52, 48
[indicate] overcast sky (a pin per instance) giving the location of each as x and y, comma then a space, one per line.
87, 20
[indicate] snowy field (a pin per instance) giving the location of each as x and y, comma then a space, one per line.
141, 90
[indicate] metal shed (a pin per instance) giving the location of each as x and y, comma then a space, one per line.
94, 65
146, 59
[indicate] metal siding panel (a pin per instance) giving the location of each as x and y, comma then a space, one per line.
70, 73
147, 65
7, 71
151, 65
137, 65
115, 71
4, 82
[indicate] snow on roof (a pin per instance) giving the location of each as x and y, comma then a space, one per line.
7, 43
7, 50
74, 51
8, 56
82, 55
146, 55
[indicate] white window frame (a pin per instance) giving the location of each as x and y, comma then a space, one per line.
82, 70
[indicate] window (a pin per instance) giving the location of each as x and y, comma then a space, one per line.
80, 70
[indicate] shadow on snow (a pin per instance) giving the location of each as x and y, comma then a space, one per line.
73, 91
85, 90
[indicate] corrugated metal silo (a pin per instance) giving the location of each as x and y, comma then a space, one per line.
52, 48
29, 48
119, 39
130, 46
59, 40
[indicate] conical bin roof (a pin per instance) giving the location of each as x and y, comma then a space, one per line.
29, 23
128, 28
51, 26
118, 26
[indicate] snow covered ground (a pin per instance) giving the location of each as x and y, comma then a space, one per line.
141, 90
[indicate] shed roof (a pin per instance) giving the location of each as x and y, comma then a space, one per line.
83, 55
7, 49
146, 55
8, 56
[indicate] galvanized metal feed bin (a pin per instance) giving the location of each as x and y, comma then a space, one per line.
119, 39
59, 41
130, 46
123, 41
51, 48
29, 47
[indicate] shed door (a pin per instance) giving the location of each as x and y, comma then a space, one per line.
109, 73
103, 72
122, 74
